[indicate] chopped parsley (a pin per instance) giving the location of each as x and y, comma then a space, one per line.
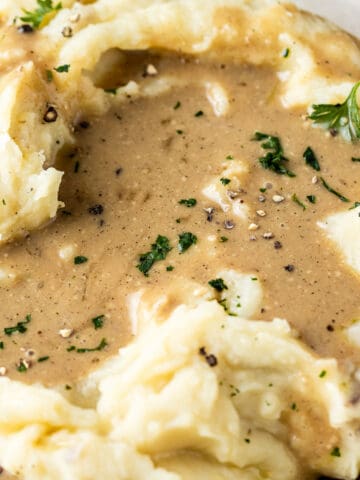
311, 198
22, 367
169, 268
98, 321
19, 327
177, 105
310, 159
343, 117
2, 346
62, 68
100, 347
80, 259
229, 157
199, 113
36, 17
285, 53
331, 190
293, 406
335, 452
355, 159
113, 91
225, 181
186, 239
158, 251
188, 202
223, 239
218, 284
43, 359
356, 205
322, 374
179, 132
296, 200
49, 75
274, 160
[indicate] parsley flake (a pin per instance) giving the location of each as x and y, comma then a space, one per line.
218, 284
100, 347
186, 239
225, 181
311, 198
335, 452
273, 160
310, 159
331, 190
158, 251
80, 259
62, 68
188, 202
19, 327
296, 200
98, 321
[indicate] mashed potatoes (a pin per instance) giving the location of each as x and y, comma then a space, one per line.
203, 390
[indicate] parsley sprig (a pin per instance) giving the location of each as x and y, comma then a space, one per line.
273, 160
36, 17
342, 117
19, 327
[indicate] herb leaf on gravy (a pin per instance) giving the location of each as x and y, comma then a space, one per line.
218, 284
310, 159
311, 198
62, 68
225, 181
331, 190
158, 251
36, 17
188, 202
186, 239
342, 117
98, 321
273, 160
19, 327
296, 200
100, 347
80, 259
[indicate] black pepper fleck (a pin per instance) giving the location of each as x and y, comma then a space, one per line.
96, 209
84, 124
118, 171
202, 351
211, 360
25, 28
289, 268
330, 328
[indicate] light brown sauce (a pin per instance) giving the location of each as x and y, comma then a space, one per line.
137, 167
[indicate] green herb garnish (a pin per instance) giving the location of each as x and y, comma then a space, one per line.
335, 452
322, 374
169, 268
113, 91
331, 190
189, 202
19, 327
310, 159
285, 53
355, 159
62, 68
80, 259
218, 284
296, 200
229, 157
100, 347
2, 346
179, 132
200, 113
98, 321
21, 367
158, 251
225, 181
223, 239
177, 105
356, 205
186, 239
343, 117
273, 160
36, 17
49, 75
311, 198
43, 359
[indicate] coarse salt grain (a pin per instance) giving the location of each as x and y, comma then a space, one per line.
278, 198
253, 226
261, 213
66, 332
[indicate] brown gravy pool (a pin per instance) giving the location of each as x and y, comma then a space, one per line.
136, 165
